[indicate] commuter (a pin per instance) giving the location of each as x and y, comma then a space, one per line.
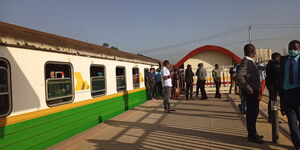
154, 91
167, 84
175, 92
151, 84
158, 82
242, 106
262, 75
217, 80
181, 81
232, 72
189, 82
201, 79
146, 73
249, 81
289, 84
272, 80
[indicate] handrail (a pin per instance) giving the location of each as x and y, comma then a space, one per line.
4, 93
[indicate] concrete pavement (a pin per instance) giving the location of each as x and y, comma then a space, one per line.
209, 124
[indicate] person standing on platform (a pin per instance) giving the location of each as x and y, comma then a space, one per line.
167, 84
175, 91
272, 80
151, 83
201, 79
289, 84
158, 82
189, 82
242, 106
217, 80
232, 72
249, 81
262, 74
155, 92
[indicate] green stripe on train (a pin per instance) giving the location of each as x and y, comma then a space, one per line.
45, 131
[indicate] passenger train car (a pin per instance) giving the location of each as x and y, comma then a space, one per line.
52, 87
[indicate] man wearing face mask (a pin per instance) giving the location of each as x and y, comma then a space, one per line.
249, 82
289, 85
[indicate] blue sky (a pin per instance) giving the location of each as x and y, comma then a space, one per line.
145, 26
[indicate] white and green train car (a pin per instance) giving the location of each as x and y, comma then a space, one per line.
52, 87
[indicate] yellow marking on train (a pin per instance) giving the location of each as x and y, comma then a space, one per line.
80, 85
141, 77
52, 110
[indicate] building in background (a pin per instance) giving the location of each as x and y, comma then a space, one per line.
210, 55
263, 55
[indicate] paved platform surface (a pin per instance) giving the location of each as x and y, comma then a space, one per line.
210, 125
263, 105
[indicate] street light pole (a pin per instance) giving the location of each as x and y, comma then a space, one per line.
275, 120
249, 34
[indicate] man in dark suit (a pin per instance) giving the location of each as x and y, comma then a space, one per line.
289, 85
189, 82
249, 81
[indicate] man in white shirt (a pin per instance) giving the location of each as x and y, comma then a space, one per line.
167, 84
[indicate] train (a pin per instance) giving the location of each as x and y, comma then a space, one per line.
53, 87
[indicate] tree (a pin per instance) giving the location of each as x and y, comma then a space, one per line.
105, 45
113, 47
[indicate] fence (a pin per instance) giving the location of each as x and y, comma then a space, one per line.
225, 76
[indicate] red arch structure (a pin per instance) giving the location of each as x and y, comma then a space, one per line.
209, 48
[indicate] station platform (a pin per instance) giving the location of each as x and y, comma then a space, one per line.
199, 124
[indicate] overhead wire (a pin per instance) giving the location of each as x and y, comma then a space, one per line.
224, 34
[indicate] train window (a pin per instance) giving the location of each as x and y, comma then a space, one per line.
5, 89
97, 80
136, 79
121, 79
59, 83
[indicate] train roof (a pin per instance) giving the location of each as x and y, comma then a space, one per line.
17, 36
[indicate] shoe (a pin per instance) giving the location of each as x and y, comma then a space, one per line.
167, 111
172, 109
256, 140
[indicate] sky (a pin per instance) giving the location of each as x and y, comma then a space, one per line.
162, 29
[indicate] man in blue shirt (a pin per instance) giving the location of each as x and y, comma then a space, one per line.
290, 90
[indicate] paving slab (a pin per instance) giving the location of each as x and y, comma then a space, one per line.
199, 124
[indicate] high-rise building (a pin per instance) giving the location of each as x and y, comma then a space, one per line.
263, 55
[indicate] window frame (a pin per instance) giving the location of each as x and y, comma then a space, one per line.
125, 79
105, 79
9, 82
47, 80
139, 83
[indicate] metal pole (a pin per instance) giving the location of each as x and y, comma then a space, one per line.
249, 34
274, 118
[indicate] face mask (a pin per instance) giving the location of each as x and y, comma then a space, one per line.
293, 53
